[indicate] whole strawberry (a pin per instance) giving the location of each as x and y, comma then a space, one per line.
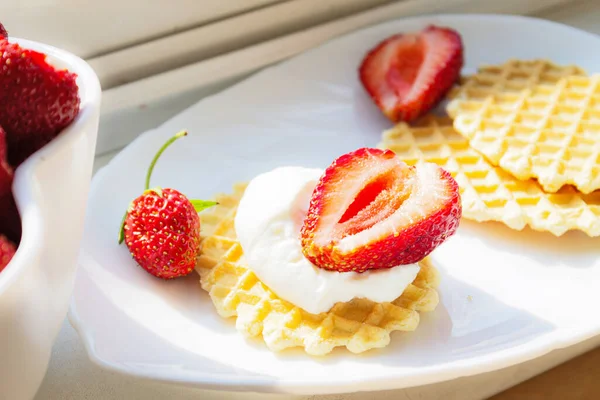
7, 251
36, 100
10, 222
6, 171
162, 228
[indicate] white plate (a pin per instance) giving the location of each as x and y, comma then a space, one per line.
506, 296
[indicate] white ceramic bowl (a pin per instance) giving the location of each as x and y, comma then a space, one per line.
51, 190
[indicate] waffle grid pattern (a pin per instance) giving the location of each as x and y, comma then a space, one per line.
535, 120
489, 193
359, 325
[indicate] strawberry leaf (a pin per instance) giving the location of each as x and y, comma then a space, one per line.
200, 205
122, 229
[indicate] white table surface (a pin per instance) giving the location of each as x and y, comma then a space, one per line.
72, 376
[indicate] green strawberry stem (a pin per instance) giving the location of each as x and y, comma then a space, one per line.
199, 205
159, 153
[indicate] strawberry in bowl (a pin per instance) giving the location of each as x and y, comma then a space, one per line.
7, 251
37, 101
49, 111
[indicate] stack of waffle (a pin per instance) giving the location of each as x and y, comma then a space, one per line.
523, 143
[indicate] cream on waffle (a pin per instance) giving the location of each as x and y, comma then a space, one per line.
358, 325
489, 193
534, 119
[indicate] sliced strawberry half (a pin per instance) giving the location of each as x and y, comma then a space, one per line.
370, 210
408, 74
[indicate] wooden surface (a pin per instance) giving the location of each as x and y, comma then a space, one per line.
577, 379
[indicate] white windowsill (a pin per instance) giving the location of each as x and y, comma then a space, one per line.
142, 104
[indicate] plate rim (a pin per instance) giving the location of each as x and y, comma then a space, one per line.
544, 344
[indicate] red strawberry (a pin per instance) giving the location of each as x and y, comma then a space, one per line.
36, 100
3, 32
408, 74
162, 228
6, 171
10, 221
7, 251
370, 211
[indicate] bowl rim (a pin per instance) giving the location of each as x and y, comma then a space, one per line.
31, 243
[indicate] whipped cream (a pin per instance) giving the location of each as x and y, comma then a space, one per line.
268, 223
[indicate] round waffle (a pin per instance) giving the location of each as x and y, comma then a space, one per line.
358, 325
533, 119
489, 193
